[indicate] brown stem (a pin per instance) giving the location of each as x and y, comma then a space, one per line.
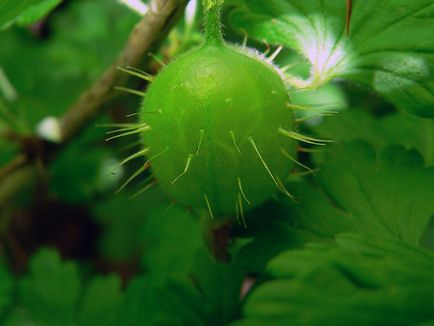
220, 240
15, 164
146, 35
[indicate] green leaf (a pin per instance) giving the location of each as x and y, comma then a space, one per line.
6, 286
51, 291
51, 295
163, 232
376, 53
24, 12
358, 281
37, 12
289, 225
398, 128
101, 301
183, 285
209, 294
68, 59
10, 9
386, 194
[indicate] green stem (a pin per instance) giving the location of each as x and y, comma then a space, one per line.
213, 34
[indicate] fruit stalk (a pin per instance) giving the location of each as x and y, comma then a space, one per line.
213, 34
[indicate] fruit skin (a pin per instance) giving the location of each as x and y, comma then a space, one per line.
216, 91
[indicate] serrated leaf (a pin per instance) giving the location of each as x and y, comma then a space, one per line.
375, 54
184, 285
289, 225
387, 195
396, 128
209, 294
51, 291
359, 281
101, 301
52, 295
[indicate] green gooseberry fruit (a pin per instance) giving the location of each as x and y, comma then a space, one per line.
216, 118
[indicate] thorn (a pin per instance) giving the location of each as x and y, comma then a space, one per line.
242, 191
275, 54
133, 132
318, 115
310, 150
245, 38
282, 189
202, 132
130, 127
313, 106
287, 67
304, 138
209, 206
146, 188
187, 165
292, 159
132, 115
240, 203
137, 73
115, 125
297, 107
235, 141
302, 174
141, 169
267, 45
132, 177
297, 86
161, 62
143, 152
130, 91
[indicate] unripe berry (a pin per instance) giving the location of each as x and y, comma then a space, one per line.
214, 116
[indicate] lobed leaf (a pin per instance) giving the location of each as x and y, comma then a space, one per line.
374, 54
51, 291
359, 280
101, 301
398, 128
386, 195
51, 295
